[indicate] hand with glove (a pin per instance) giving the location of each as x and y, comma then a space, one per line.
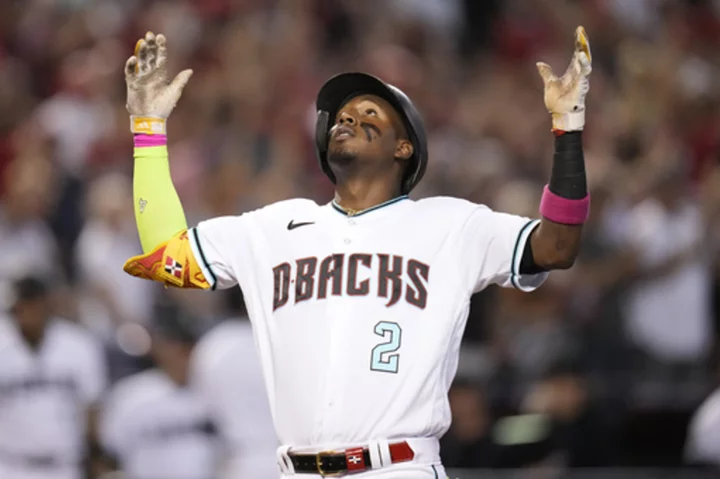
150, 96
565, 203
565, 96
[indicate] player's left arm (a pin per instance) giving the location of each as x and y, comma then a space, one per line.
555, 243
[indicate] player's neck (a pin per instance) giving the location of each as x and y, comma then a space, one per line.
177, 371
359, 196
32, 338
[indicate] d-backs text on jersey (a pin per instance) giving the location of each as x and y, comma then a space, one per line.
379, 274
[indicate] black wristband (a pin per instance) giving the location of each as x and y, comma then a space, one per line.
568, 178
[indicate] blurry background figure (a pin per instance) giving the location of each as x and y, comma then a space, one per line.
152, 424
111, 298
111, 304
52, 374
580, 431
226, 374
468, 444
27, 244
703, 442
668, 306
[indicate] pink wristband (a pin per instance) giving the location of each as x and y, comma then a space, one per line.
141, 140
562, 210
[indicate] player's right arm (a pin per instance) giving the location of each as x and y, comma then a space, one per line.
168, 255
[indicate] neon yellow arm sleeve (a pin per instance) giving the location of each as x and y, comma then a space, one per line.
158, 212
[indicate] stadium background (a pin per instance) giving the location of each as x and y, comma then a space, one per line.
620, 394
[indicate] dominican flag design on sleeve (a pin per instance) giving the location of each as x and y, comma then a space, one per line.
173, 267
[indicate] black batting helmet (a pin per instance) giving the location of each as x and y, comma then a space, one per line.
339, 89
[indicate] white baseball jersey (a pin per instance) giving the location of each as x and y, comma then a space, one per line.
157, 429
358, 319
44, 395
227, 377
703, 442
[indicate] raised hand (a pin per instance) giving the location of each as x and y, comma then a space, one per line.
565, 96
150, 96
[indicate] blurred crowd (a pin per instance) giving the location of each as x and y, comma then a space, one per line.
603, 366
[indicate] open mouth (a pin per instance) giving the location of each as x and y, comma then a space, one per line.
343, 132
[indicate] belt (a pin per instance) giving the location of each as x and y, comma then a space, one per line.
336, 463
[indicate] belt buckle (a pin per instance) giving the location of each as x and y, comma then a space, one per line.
318, 460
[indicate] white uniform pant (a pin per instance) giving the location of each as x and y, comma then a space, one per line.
425, 464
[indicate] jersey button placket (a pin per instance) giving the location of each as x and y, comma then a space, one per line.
332, 370
349, 230
352, 224
336, 310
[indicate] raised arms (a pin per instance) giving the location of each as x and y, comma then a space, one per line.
168, 254
151, 98
556, 241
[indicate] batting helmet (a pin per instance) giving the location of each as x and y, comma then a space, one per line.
339, 89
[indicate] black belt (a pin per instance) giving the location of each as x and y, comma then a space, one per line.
335, 463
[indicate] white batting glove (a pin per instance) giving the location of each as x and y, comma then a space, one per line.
150, 96
565, 96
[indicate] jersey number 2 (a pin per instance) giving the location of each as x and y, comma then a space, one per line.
383, 359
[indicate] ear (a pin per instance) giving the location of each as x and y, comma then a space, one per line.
404, 149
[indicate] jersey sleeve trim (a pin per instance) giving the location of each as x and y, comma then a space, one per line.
522, 239
202, 260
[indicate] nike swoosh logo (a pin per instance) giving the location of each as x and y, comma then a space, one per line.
292, 225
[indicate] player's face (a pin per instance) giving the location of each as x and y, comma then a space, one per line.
369, 131
32, 315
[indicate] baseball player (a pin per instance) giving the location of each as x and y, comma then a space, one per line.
226, 375
152, 424
52, 374
358, 305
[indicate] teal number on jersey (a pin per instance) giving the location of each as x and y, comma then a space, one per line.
382, 358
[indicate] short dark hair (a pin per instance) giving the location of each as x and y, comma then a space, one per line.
173, 322
28, 288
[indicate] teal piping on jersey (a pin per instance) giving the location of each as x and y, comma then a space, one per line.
435, 471
340, 209
201, 259
522, 239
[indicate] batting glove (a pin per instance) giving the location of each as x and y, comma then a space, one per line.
565, 96
150, 96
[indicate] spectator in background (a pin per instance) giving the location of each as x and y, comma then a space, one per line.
109, 298
79, 101
228, 379
469, 443
27, 245
153, 425
51, 378
668, 307
580, 433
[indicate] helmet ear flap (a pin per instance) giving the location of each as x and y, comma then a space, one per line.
322, 126
321, 131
